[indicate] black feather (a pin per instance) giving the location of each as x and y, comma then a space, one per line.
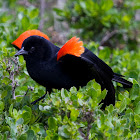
125, 83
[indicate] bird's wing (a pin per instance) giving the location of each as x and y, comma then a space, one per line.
74, 50
101, 66
79, 61
105, 73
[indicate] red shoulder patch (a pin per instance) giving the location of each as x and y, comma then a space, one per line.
73, 47
18, 42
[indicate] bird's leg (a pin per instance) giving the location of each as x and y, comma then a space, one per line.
47, 91
34, 102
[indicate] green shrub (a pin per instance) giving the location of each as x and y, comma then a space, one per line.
73, 114
103, 21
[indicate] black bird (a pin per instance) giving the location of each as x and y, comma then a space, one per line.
72, 65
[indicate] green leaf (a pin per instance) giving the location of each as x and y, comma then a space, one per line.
93, 93
11, 110
64, 93
15, 113
63, 131
25, 22
23, 137
137, 108
137, 119
135, 90
121, 105
27, 117
3, 94
102, 95
52, 123
57, 10
74, 114
33, 13
28, 109
6, 80
19, 121
1, 106
30, 135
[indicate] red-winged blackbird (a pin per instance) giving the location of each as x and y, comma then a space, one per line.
72, 65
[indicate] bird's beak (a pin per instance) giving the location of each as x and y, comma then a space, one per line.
21, 52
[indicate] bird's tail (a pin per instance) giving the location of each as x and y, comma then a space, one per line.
125, 83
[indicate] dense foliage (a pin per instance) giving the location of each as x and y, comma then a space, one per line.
73, 114
104, 21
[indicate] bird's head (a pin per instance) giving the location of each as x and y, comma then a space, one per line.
31, 43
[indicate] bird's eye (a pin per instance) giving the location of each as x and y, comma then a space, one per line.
32, 49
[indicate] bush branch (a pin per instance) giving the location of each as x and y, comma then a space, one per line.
107, 36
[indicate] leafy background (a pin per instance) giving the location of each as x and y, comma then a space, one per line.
111, 30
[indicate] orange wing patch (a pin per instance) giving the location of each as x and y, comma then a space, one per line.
18, 42
73, 47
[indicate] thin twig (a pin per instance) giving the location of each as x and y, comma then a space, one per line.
82, 134
107, 36
13, 84
88, 117
11, 72
42, 10
25, 3
29, 88
88, 130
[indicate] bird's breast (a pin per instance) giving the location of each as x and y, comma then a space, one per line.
50, 75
